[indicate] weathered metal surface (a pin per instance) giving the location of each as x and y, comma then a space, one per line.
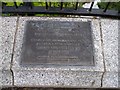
57, 43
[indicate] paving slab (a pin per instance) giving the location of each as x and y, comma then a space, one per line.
119, 53
110, 80
55, 78
0, 79
109, 28
6, 78
40, 75
6, 41
7, 32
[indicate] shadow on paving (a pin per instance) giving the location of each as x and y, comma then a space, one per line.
17, 88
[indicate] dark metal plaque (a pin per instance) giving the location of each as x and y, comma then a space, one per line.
57, 43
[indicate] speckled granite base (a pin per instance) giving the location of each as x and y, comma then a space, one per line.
110, 79
7, 32
109, 29
103, 74
55, 78
59, 76
6, 78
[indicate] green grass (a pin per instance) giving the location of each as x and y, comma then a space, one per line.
112, 6
102, 5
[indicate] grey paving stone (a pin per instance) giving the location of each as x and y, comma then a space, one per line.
64, 78
78, 76
0, 79
109, 29
110, 80
97, 45
7, 33
0, 44
6, 78
119, 53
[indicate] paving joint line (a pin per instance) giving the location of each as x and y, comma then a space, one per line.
14, 42
101, 35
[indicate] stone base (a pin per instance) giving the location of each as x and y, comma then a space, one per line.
102, 74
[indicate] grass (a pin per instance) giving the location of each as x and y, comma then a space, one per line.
102, 5
112, 6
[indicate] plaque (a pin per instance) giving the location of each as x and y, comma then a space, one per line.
57, 43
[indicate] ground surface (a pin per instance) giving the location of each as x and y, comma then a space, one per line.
54, 89
103, 74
